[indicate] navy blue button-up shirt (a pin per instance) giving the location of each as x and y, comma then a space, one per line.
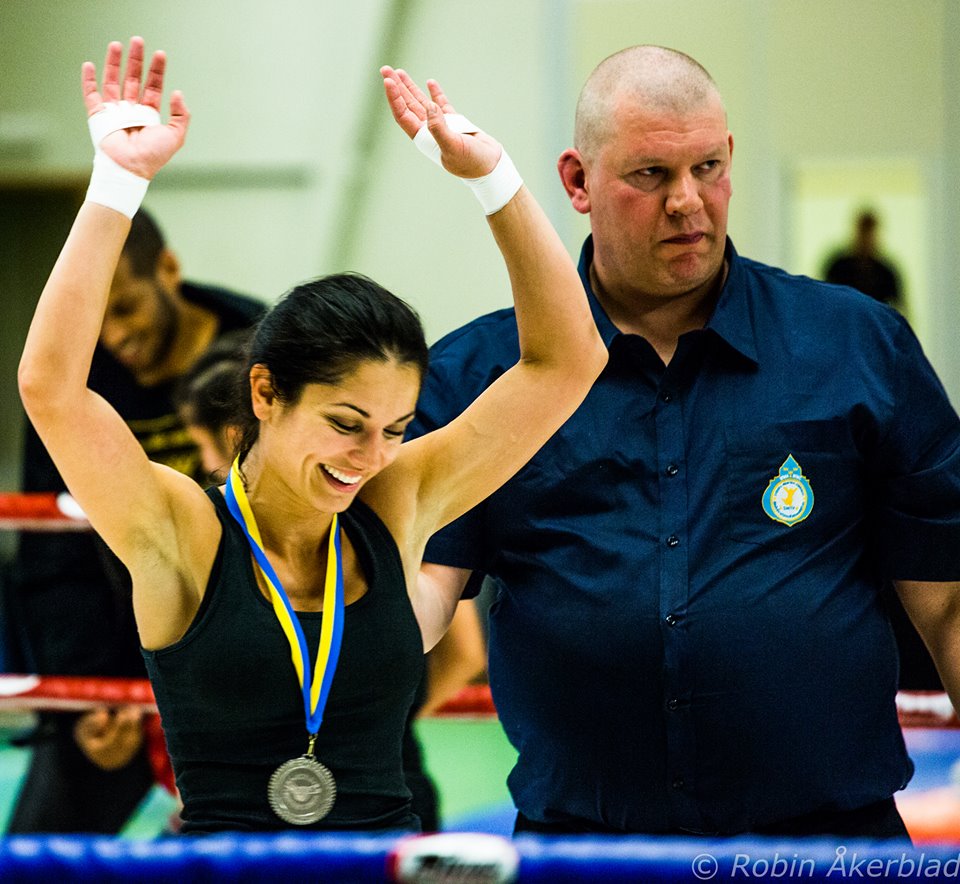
687, 631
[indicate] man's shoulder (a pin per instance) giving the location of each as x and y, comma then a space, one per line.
837, 317
468, 359
490, 332
807, 292
235, 310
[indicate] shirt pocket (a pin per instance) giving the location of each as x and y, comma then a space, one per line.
791, 482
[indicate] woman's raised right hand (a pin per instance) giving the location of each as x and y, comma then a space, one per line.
143, 150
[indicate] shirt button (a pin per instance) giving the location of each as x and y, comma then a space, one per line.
671, 619
673, 541
678, 783
671, 470
673, 704
666, 397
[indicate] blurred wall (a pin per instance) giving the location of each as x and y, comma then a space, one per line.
293, 166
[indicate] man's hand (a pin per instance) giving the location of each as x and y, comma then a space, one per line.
110, 738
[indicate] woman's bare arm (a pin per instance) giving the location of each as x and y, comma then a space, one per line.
447, 472
130, 502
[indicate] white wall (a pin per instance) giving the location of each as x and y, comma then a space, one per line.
421, 233
272, 88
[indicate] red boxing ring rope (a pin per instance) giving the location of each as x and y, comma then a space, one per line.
78, 693
40, 512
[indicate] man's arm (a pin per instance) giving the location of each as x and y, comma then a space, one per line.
440, 588
458, 658
934, 609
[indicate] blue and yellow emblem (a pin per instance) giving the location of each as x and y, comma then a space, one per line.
789, 497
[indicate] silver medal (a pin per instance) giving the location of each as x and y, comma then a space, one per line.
301, 791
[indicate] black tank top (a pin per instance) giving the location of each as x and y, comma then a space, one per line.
231, 705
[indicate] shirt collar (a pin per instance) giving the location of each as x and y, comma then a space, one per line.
608, 331
732, 318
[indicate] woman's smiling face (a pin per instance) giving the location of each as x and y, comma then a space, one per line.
338, 436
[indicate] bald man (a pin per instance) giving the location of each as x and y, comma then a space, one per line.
687, 634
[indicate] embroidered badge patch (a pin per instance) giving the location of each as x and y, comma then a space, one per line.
789, 497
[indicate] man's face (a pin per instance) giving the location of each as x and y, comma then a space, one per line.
657, 191
140, 324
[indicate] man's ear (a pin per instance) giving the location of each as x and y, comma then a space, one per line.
168, 271
263, 397
730, 146
573, 174
231, 437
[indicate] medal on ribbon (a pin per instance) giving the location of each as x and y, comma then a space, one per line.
302, 790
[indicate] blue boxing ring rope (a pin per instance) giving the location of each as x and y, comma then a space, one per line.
360, 858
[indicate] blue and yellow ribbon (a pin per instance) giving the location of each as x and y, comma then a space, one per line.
315, 687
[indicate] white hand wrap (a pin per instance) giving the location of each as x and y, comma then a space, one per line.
496, 188
428, 146
117, 115
110, 184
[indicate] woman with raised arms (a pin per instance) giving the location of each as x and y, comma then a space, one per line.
281, 617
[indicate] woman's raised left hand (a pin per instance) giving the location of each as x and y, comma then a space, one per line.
466, 155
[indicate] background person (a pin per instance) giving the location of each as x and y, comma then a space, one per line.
206, 399
688, 634
862, 265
